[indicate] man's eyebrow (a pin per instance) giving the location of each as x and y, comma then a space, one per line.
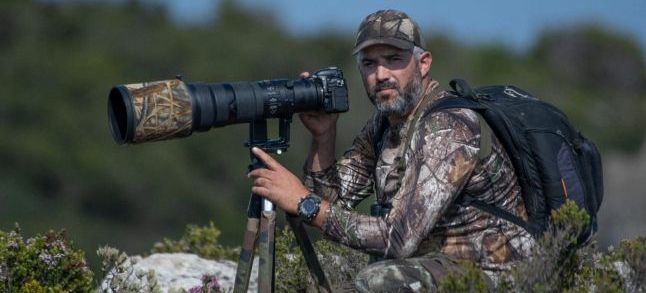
365, 58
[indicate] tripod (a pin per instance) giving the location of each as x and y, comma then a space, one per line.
261, 218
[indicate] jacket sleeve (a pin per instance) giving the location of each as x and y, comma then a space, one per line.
440, 159
349, 180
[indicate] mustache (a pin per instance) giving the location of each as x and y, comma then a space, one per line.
386, 84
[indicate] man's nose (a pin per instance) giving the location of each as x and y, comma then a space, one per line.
383, 73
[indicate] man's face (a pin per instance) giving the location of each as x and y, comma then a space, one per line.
392, 79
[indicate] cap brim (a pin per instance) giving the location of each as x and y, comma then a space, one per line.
395, 42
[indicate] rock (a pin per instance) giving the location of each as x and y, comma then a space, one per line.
175, 271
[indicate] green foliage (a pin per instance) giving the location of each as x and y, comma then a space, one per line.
61, 168
557, 264
291, 270
43, 263
120, 274
202, 241
468, 278
340, 264
633, 252
570, 219
555, 259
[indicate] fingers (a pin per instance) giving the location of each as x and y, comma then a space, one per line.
304, 74
260, 190
262, 186
266, 158
261, 173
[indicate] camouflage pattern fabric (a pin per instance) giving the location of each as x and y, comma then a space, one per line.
162, 110
441, 164
391, 27
418, 274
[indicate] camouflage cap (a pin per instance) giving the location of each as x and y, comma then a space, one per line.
390, 27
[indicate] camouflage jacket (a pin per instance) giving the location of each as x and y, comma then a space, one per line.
441, 164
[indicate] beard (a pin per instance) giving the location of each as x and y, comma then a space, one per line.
405, 100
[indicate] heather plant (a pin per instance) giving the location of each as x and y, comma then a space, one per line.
559, 264
202, 241
209, 285
120, 274
555, 259
43, 263
633, 253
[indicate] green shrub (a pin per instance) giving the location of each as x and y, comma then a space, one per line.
291, 271
469, 278
340, 264
559, 264
119, 274
202, 241
43, 263
633, 252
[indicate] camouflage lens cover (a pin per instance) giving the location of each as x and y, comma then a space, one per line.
162, 110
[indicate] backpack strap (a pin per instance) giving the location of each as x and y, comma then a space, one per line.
468, 200
401, 166
485, 138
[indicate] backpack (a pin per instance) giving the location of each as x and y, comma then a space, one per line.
553, 161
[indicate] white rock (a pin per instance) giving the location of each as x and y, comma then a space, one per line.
182, 270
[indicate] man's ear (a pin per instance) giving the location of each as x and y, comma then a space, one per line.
425, 61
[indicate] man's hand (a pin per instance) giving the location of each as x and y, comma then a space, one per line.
276, 183
321, 125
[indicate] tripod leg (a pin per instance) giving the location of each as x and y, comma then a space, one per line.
246, 256
267, 272
308, 253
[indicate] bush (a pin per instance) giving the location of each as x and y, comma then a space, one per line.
560, 264
634, 253
340, 264
121, 276
44, 263
202, 241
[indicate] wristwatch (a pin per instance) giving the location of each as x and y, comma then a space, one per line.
308, 207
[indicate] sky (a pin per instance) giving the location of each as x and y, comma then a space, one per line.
512, 22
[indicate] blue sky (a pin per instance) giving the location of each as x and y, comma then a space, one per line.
513, 22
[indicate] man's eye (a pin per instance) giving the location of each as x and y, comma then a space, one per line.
367, 63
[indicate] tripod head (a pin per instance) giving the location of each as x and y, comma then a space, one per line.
258, 136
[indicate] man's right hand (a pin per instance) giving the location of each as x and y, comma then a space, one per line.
322, 126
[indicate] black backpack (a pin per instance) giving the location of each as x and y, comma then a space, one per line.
552, 160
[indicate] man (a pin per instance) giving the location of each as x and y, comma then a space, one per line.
418, 162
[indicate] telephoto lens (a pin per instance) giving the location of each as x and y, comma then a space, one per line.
160, 110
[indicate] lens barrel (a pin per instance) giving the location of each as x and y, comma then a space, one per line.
167, 109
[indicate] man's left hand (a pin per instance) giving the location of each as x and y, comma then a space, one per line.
276, 183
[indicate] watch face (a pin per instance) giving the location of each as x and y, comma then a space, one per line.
309, 206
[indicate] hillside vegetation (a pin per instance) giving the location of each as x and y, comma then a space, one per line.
59, 167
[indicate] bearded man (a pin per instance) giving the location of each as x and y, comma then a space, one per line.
417, 162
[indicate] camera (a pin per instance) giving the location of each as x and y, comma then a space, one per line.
160, 110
